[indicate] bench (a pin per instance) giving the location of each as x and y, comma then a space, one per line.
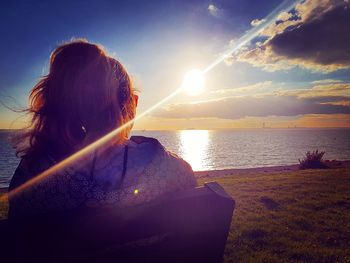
189, 226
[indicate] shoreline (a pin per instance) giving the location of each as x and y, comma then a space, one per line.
251, 171
245, 171
264, 169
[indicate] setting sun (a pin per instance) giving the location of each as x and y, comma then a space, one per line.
193, 82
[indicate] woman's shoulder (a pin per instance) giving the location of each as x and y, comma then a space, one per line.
146, 148
146, 142
29, 168
152, 148
164, 163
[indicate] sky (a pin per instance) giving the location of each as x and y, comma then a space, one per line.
294, 73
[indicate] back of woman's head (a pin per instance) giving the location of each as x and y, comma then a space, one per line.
85, 94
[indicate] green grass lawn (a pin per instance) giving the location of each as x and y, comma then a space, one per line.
301, 216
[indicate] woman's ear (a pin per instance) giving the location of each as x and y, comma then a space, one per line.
136, 99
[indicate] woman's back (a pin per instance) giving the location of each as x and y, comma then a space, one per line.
125, 175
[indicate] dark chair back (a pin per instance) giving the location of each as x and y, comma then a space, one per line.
189, 226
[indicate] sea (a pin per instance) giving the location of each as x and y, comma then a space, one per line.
224, 149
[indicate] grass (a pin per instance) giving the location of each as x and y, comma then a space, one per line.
301, 216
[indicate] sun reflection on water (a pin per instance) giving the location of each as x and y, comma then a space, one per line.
194, 148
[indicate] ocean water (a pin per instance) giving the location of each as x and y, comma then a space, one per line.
209, 149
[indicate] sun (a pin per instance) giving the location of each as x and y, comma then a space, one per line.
193, 82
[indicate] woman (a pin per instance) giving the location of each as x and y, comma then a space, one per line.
86, 95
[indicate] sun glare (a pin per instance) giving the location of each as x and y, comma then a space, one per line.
194, 148
193, 82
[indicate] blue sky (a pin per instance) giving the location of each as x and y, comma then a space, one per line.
159, 41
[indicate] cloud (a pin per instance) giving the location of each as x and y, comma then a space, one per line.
246, 89
257, 22
341, 102
235, 108
284, 16
320, 99
326, 81
214, 11
316, 36
320, 91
